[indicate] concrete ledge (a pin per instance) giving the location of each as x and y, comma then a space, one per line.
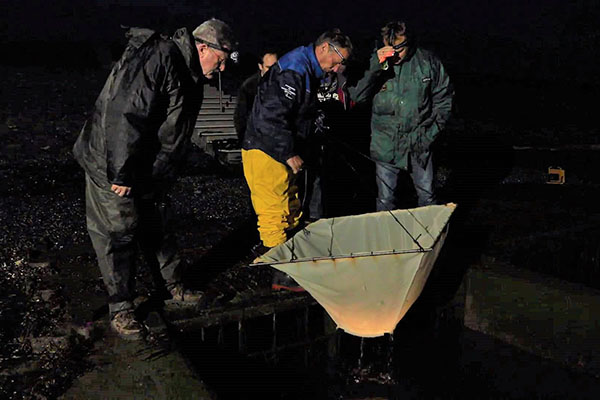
548, 317
136, 370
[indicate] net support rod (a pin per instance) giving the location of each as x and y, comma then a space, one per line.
351, 255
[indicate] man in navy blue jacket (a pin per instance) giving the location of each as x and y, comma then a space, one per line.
281, 119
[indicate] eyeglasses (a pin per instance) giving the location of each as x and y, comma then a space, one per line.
344, 61
221, 60
233, 55
398, 47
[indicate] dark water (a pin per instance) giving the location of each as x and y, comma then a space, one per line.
430, 357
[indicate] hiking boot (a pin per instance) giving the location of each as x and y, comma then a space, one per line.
282, 281
178, 293
125, 324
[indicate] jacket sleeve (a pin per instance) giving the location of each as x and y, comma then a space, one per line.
240, 115
442, 94
124, 121
280, 98
370, 83
135, 107
176, 125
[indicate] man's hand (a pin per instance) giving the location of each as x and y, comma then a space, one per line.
121, 191
295, 163
384, 53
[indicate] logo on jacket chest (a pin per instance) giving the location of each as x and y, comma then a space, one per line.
322, 97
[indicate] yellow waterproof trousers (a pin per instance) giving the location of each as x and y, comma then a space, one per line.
274, 196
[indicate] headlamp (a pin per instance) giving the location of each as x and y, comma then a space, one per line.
234, 56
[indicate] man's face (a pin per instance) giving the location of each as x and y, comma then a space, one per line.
211, 60
402, 51
331, 57
267, 62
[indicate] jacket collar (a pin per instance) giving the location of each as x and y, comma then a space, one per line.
316, 69
183, 40
409, 55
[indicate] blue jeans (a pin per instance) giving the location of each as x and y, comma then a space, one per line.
387, 180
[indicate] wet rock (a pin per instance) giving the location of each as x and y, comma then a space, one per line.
155, 323
86, 331
11, 123
47, 294
48, 343
38, 256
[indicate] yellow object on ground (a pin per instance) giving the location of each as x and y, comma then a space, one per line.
274, 196
365, 270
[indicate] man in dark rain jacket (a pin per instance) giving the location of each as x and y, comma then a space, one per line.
282, 117
247, 93
130, 149
412, 101
332, 117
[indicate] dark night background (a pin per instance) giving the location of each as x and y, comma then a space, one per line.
527, 85
516, 62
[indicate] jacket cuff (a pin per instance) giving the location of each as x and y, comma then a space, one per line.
118, 180
284, 157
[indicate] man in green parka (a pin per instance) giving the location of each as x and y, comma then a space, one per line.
412, 101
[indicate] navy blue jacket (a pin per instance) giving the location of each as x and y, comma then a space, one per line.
285, 105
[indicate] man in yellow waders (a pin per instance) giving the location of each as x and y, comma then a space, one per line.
280, 121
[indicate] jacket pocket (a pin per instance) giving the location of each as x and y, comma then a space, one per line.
383, 104
424, 88
383, 131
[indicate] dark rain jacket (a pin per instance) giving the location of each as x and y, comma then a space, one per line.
285, 105
334, 104
411, 105
145, 114
245, 101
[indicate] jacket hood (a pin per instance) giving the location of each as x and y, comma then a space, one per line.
183, 39
138, 36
